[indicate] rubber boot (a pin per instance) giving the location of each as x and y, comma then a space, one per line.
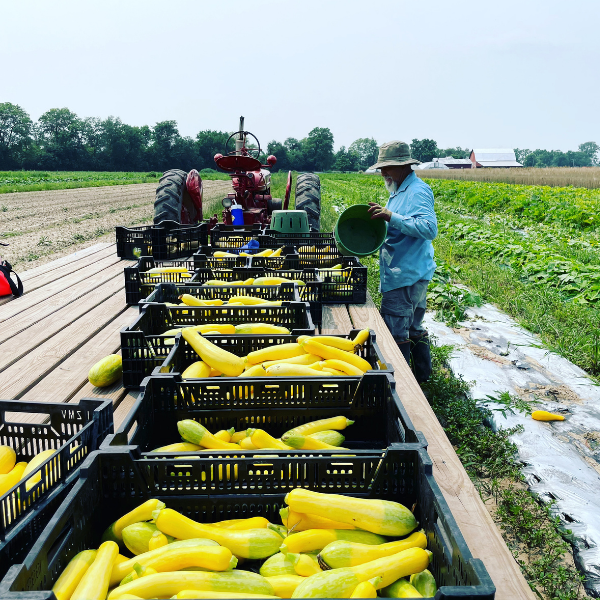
420, 355
405, 349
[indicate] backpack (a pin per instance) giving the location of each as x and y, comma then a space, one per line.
7, 285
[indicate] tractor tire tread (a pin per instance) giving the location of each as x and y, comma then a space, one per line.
308, 198
169, 196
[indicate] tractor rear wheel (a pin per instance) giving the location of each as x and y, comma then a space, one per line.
308, 198
169, 196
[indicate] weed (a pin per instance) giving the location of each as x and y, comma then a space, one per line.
4, 208
31, 256
44, 241
78, 237
509, 403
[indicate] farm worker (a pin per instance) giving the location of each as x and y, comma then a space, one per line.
406, 258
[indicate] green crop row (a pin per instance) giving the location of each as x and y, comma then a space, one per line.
577, 208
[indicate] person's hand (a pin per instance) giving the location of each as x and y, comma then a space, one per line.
378, 212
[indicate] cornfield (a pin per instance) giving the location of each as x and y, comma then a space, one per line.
586, 177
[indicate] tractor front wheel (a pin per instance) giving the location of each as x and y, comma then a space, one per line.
308, 198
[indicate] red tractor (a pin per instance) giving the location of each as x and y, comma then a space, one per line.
179, 194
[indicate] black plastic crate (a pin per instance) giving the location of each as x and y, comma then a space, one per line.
233, 236
167, 241
112, 483
273, 404
139, 283
73, 430
339, 289
311, 292
271, 238
143, 348
183, 355
205, 259
170, 292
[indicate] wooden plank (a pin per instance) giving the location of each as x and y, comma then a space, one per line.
123, 408
35, 366
335, 319
89, 288
480, 532
45, 278
17, 345
64, 260
63, 382
29, 300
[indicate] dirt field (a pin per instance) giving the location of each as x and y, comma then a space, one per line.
43, 226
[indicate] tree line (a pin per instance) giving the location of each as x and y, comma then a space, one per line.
62, 141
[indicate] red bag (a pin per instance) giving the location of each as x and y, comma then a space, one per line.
7, 285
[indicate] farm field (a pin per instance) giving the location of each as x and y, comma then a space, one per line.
42, 226
586, 177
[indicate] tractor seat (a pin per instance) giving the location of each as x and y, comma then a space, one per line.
234, 162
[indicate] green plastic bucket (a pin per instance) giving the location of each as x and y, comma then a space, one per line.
356, 234
290, 221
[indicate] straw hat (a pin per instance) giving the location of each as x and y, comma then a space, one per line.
394, 154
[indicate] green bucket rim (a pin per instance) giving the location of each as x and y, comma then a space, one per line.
377, 223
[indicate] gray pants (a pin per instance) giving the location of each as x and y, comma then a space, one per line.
403, 310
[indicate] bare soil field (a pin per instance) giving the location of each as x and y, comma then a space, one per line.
43, 226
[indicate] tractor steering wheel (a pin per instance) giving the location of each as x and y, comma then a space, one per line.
250, 151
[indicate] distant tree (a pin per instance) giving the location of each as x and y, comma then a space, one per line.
296, 154
367, 151
60, 134
424, 150
318, 149
278, 150
209, 143
592, 150
15, 135
521, 155
457, 152
346, 160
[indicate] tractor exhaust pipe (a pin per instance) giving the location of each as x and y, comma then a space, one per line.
240, 142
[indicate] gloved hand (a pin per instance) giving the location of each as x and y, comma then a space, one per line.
378, 212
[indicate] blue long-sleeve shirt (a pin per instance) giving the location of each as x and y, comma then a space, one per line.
407, 254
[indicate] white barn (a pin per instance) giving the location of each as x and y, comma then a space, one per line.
502, 158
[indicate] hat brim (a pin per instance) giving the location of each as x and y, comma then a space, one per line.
395, 163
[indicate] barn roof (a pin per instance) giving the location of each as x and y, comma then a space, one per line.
449, 160
499, 163
495, 154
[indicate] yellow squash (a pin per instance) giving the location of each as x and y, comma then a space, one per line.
290, 370
261, 439
106, 371
304, 564
317, 539
166, 585
361, 337
330, 340
328, 352
402, 588
255, 371
122, 568
340, 365
378, 516
142, 513
340, 583
180, 447
337, 423
279, 352
366, 589
284, 585
250, 523
94, 583
248, 543
8, 459
303, 359
350, 554
197, 595
196, 370
33, 464
213, 355
260, 329
193, 432
425, 584
294, 521
158, 540
69, 579
225, 434
11, 479
301, 442
544, 415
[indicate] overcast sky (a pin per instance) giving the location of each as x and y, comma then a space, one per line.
477, 74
